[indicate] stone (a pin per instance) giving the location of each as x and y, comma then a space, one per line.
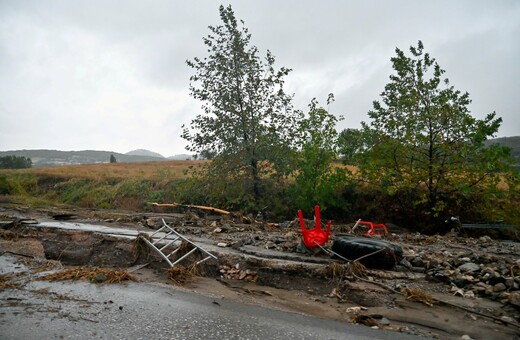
270, 245
100, 277
496, 279
432, 263
469, 295
469, 267
485, 239
417, 262
514, 299
510, 282
406, 263
277, 239
499, 287
222, 244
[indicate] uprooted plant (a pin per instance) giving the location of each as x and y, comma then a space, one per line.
181, 274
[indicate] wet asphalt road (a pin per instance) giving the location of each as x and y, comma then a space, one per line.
82, 310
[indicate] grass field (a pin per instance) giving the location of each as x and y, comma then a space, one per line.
120, 171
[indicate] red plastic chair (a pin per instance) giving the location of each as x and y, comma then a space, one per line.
373, 229
314, 237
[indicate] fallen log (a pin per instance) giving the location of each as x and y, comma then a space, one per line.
201, 207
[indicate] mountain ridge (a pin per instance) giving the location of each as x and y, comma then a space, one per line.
46, 157
144, 152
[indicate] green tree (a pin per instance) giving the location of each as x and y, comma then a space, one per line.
15, 162
352, 143
248, 119
426, 143
317, 178
113, 159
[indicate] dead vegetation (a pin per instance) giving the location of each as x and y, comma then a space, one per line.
418, 295
180, 274
92, 274
6, 282
144, 170
356, 269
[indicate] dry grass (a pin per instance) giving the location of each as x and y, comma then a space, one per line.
181, 275
5, 282
356, 268
143, 170
419, 296
46, 266
93, 274
337, 272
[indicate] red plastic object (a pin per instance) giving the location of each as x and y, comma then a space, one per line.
374, 229
314, 237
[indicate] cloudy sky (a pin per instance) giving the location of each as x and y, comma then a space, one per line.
111, 75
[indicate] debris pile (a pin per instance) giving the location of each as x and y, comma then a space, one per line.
92, 274
472, 267
235, 273
481, 274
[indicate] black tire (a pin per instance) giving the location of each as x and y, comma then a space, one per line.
352, 248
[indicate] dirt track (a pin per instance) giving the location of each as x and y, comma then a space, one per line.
473, 281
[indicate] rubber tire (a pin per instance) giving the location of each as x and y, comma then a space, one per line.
353, 248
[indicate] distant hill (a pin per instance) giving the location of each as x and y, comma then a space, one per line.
45, 158
181, 157
143, 152
511, 142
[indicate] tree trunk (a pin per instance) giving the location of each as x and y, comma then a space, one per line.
256, 178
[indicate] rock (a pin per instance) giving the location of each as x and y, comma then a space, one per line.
469, 295
405, 263
100, 277
217, 230
270, 245
384, 321
469, 267
278, 239
466, 337
417, 262
432, 263
222, 244
514, 299
496, 279
510, 282
499, 287
485, 239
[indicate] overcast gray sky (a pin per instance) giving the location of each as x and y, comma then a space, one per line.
111, 75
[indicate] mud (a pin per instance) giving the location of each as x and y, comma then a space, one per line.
274, 275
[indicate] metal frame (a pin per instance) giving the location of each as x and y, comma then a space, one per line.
169, 231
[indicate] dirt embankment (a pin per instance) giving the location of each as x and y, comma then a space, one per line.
445, 286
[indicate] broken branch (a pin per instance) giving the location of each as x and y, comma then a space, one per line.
201, 207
